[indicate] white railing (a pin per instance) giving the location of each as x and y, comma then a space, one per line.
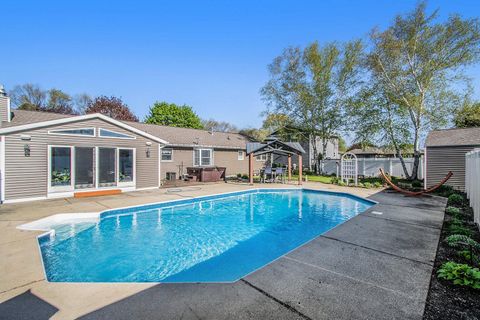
472, 181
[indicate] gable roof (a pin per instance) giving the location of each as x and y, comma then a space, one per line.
28, 121
175, 136
294, 147
454, 137
187, 137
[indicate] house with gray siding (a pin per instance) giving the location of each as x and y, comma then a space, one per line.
445, 151
47, 155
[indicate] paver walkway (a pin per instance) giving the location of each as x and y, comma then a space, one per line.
375, 266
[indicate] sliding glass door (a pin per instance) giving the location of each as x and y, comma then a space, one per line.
126, 166
60, 168
107, 173
84, 164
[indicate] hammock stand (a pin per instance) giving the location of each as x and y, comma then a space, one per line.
414, 193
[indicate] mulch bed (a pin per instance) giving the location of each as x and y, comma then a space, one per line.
445, 300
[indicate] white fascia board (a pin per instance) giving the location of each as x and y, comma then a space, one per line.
120, 124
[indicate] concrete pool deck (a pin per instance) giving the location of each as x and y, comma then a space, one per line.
372, 266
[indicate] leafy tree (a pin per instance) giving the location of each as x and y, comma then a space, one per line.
468, 116
415, 65
59, 102
81, 102
169, 114
342, 145
28, 97
312, 86
255, 134
218, 126
276, 121
112, 107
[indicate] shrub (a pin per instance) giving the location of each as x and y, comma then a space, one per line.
460, 274
378, 184
245, 176
459, 229
445, 190
335, 180
455, 199
368, 185
460, 240
417, 184
452, 211
361, 185
239, 175
341, 183
469, 256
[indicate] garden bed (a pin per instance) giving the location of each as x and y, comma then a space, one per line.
447, 300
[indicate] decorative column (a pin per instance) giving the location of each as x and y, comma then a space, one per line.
289, 167
300, 167
250, 168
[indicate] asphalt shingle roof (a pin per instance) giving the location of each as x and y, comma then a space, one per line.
453, 137
175, 136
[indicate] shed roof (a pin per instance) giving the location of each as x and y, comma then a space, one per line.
454, 137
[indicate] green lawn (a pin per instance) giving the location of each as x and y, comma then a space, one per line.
323, 179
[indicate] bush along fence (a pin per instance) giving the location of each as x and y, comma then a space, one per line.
472, 181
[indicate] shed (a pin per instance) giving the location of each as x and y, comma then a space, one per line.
445, 151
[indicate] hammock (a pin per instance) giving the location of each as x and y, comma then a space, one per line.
412, 193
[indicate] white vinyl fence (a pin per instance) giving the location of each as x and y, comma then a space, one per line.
472, 181
368, 167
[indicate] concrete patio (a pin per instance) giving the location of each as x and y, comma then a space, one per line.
374, 266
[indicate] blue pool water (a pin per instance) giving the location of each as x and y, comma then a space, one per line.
218, 238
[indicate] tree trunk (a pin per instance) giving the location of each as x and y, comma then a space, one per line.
416, 163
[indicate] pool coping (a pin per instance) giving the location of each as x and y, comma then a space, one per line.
42, 225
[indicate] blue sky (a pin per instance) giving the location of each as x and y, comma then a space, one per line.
211, 55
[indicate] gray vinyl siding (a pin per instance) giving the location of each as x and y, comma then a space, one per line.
26, 177
3, 108
441, 160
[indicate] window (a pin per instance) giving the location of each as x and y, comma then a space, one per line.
167, 154
84, 164
125, 165
75, 132
104, 133
262, 157
241, 155
106, 167
60, 167
202, 157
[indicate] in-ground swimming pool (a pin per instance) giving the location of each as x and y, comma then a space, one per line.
217, 238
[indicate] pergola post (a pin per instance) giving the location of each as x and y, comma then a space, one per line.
250, 168
289, 169
300, 167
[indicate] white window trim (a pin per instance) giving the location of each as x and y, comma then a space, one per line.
51, 188
171, 160
242, 157
52, 132
211, 157
134, 168
124, 138
261, 160
71, 187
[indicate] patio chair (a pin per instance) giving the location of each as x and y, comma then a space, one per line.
266, 173
280, 173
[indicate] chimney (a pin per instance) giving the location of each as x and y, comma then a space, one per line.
4, 105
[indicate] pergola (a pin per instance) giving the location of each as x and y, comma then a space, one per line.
275, 146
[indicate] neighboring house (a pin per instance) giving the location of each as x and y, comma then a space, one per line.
445, 151
308, 143
193, 147
44, 155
